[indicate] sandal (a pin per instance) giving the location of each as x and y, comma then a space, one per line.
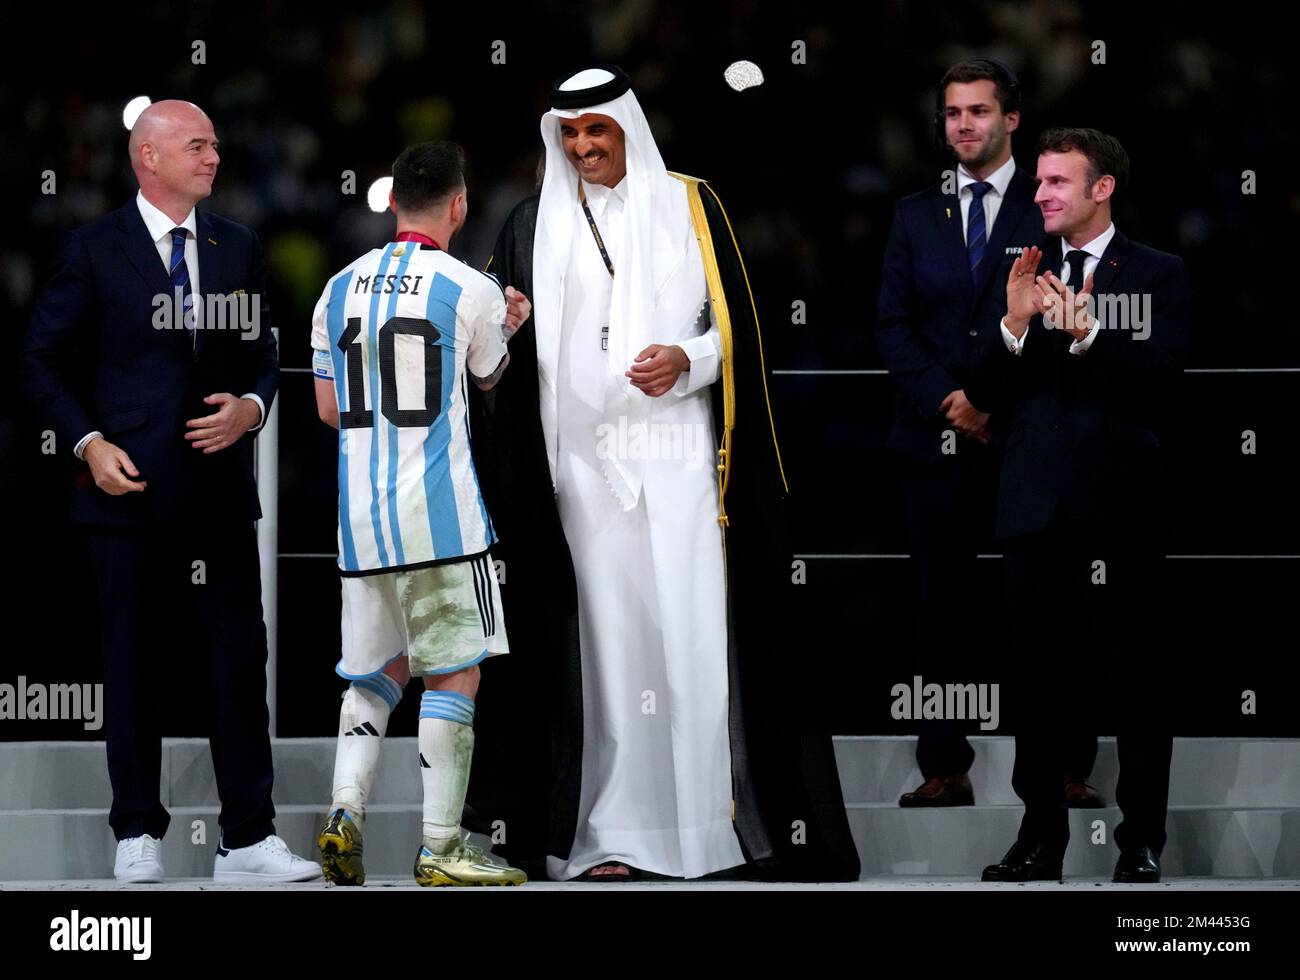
632, 873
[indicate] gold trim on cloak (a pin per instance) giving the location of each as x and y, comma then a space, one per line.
717, 296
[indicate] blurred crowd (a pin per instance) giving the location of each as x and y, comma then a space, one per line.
809, 163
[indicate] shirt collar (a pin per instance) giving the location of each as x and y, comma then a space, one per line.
598, 195
159, 224
1000, 178
1096, 247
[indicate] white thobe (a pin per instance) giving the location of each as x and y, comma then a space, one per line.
656, 758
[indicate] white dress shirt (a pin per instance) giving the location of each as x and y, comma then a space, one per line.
1095, 249
160, 230
993, 197
704, 350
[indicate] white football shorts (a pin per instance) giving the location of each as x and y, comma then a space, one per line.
444, 618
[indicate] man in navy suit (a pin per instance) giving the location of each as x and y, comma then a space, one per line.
946, 261
151, 356
1086, 362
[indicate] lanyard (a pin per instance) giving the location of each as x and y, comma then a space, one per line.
600, 243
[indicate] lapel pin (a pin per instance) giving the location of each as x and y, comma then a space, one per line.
211, 242
1113, 263
948, 212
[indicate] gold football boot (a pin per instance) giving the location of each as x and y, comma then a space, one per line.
340, 849
463, 864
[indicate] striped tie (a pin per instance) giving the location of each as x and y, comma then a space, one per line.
181, 279
976, 238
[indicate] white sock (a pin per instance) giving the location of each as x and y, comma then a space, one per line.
363, 720
446, 740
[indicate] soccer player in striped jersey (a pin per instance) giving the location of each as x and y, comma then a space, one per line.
397, 337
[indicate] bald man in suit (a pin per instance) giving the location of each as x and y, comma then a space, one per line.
159, 404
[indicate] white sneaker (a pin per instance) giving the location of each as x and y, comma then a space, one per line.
139, 860
268, 860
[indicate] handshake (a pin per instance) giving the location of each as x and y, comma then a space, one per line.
518, 309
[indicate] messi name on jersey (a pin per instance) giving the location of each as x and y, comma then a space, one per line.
390, 283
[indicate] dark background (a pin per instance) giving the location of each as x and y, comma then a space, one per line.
808, 166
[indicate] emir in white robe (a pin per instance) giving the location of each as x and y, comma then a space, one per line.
656, 764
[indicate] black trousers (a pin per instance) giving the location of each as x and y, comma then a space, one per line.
194, 592
1142, 791
949, 511
1084, 596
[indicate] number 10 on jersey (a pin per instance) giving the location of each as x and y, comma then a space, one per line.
350, 344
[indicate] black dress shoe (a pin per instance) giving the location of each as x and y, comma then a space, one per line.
1137, 867
1025, 862
941, 791
1082, 795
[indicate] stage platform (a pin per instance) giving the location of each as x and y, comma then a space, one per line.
1234, 816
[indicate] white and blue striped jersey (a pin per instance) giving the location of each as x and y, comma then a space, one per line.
398, 331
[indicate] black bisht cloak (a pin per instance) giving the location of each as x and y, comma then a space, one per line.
788, 808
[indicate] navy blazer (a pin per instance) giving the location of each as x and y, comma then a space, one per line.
933, 318
1084, 427
93, 359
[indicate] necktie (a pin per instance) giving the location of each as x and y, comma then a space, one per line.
976, 238
181, 280
1070, 377
1075, 260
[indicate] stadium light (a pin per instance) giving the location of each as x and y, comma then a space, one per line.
133, 109
377, 196
741, 75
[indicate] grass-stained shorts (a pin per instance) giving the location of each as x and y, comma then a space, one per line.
444, 618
